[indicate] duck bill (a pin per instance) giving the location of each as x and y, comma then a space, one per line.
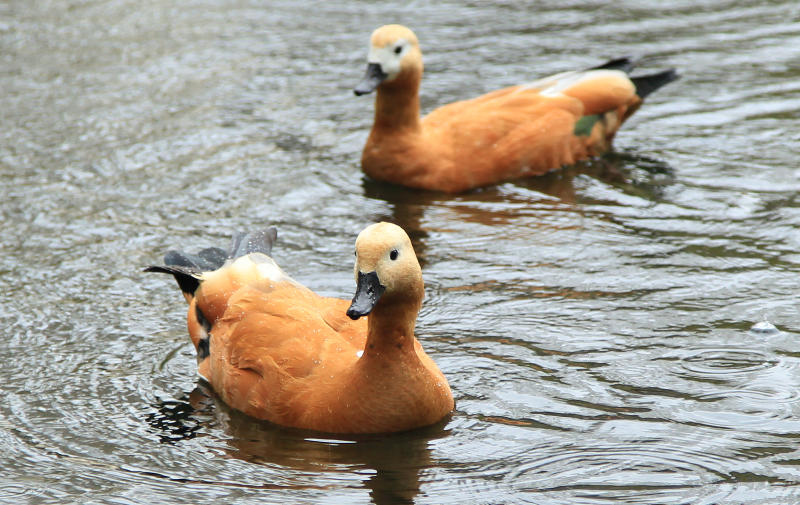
368, 292
372, 79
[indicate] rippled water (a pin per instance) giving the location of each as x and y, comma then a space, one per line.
595, 323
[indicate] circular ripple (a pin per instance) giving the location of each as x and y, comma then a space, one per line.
766, 406
742, 389
716, 362
781, 393
627, 465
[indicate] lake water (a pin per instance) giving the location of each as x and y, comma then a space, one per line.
607, 329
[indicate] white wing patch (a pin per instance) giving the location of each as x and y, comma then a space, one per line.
260, 270
555, 85
266, 267
255, 266
546, 82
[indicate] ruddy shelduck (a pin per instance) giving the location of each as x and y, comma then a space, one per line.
519, 131
275, 350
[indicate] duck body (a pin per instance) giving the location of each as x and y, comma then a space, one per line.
513, 132
275, 350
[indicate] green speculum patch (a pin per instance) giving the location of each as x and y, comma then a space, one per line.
584, 125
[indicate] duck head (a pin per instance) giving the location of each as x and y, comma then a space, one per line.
386, 270
394, 51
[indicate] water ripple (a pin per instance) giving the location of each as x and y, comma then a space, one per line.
594, 323
719, 363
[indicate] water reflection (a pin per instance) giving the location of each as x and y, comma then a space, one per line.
630, 173
173, 420
642, 177
633, 174
390, 465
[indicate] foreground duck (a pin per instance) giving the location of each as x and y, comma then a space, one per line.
275, 350
513, 132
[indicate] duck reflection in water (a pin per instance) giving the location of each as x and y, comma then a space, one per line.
393, 462
629, 173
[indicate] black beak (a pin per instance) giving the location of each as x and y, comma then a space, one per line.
368, 291
372, 79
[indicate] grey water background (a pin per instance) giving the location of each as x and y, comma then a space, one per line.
596, 324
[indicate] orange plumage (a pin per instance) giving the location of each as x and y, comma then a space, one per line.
513, 132
275, 350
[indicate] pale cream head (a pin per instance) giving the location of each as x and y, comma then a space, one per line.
385, 249
394, 48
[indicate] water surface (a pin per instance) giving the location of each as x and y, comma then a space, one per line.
596, 324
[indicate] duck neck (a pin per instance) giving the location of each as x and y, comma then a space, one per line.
397, 103
390, 329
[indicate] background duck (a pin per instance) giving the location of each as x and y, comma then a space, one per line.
513, 132
275, 350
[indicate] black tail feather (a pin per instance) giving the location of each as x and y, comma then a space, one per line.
187, 268
646, 84
188, 278
244, 243
624, 63
207, 259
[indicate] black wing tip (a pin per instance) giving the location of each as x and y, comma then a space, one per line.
646, 84
624, 63
158, 269
244, 243
187, 268
188, 278
210, 258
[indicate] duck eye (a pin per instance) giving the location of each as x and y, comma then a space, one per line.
398, 49
393, 254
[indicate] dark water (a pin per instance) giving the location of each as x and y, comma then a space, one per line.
595, 323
